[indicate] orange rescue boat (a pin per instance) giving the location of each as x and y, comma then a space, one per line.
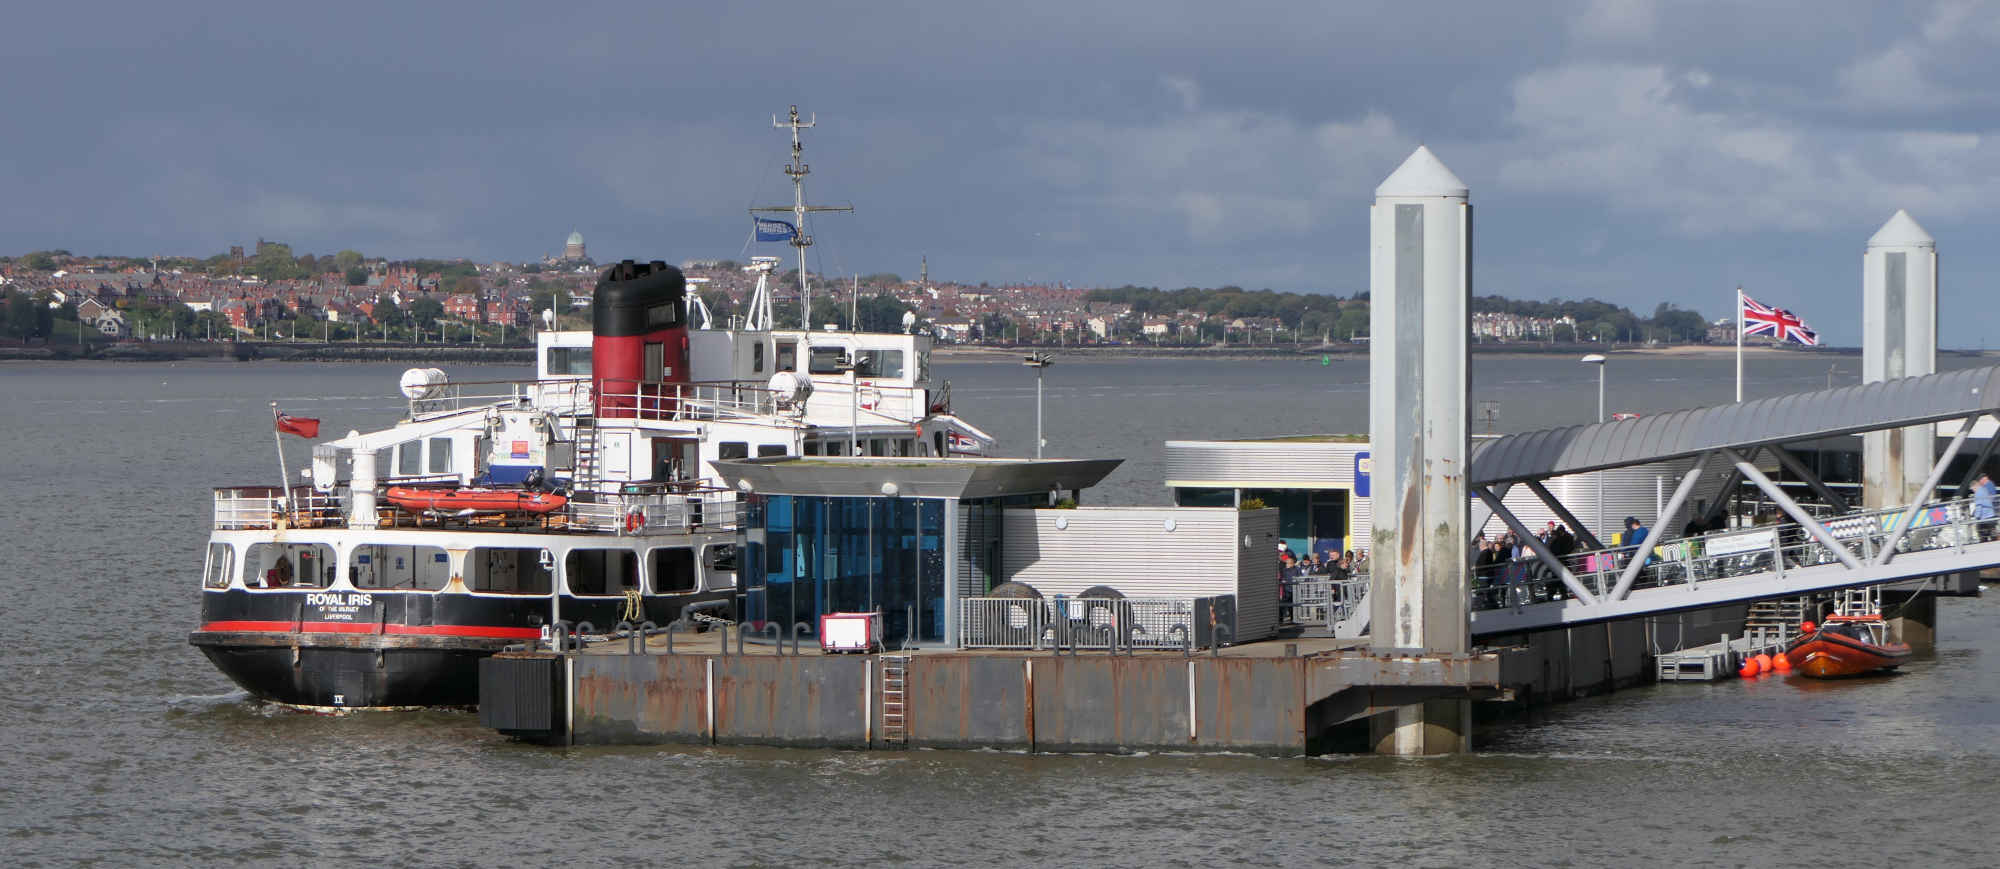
454, 500
1845, 646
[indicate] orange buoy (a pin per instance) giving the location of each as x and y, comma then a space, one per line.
1807, 627
1763, 662
1780, 663
1749, 670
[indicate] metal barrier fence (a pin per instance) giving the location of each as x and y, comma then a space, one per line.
1082, 623
1318, 599
1725, 555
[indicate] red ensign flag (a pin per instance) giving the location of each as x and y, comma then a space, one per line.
305, 427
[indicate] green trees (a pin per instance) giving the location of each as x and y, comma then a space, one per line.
425, 312
275, 262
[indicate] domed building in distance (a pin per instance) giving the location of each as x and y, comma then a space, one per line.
573, 248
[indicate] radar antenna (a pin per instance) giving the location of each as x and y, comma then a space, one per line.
798, 170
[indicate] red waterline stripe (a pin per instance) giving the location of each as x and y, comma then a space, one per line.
286, 627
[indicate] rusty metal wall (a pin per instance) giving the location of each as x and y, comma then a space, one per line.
967, 701
627, 699
1250, 704
809, 701
1110, 703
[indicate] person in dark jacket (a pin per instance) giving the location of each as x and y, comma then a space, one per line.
1561, 542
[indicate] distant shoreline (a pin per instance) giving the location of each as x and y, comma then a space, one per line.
414, 354
984, 353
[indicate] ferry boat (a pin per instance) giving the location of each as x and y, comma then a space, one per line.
496, 513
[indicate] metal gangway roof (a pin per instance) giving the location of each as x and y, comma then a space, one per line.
1805, 554
1908, 401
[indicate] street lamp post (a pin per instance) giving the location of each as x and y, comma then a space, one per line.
1597, 359
1038, 361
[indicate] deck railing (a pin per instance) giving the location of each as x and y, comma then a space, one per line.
239, 508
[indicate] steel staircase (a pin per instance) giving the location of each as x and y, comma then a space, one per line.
1777, 619
588, 461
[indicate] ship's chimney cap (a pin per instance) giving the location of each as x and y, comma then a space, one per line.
1902, 230
1423, 174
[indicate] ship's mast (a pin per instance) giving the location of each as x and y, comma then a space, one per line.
798, 170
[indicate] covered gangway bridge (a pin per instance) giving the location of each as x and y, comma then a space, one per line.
1808, 553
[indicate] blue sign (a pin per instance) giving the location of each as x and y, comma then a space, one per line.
769, 229
1363, 467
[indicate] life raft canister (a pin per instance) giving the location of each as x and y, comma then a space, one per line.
634, 520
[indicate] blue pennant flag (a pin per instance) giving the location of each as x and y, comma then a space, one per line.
775, 230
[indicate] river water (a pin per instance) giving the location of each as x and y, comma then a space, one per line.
123, 747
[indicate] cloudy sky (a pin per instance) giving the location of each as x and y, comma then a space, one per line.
1629, 150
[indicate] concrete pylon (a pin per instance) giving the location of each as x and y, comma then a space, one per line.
1898, 339
1420, 287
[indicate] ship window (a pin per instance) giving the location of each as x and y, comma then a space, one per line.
732, 450
508, 571
288, 565
720, 561
673, 570
828, 360
757, 358
765, 451
663, 316
220, 557
569, 361
881, 363
410, 459
420, 568
601, 571
440, 460
788, 356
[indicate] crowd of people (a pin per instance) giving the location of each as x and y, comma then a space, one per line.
1333, 566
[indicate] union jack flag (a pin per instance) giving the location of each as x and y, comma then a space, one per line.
1762, 319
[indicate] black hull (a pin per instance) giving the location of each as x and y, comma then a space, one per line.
387, 649
348, 675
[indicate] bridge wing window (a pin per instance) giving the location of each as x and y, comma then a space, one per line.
827, 360
569, 361
440, 459
881, 363
410, 459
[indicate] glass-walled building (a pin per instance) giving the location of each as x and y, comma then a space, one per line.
819, 554
907, 537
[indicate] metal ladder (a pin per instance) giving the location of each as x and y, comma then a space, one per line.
585, 475
895, 672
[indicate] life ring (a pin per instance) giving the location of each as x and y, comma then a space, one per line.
870, 397
634, 520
